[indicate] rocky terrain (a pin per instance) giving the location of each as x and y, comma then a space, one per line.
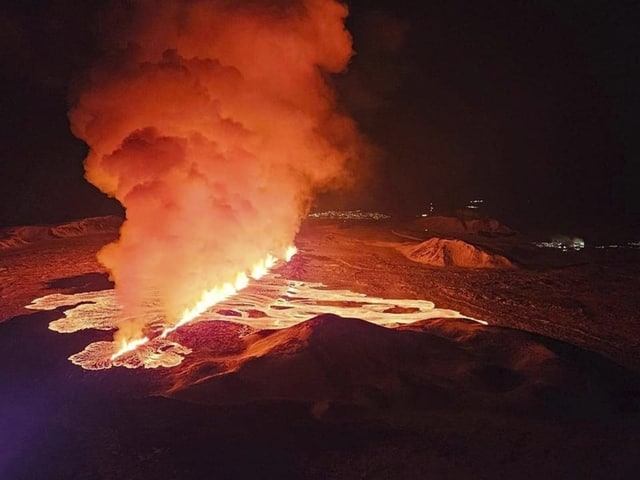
549, 388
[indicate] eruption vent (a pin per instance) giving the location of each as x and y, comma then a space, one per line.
213, 124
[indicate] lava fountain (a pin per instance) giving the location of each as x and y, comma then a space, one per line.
208, 299
213, 124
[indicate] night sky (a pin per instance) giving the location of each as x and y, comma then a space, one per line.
530, 105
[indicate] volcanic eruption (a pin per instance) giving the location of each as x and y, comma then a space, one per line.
212, 123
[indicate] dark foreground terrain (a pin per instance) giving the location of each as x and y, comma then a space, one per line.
550, 389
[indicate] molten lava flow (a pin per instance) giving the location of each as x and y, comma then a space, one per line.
274, 303
208, 299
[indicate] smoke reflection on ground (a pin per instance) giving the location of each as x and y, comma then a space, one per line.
271, 303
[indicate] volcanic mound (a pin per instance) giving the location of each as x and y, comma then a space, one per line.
438, 363
441, 252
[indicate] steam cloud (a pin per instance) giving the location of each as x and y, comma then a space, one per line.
213, 124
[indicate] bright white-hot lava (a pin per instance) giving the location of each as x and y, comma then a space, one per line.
129, 346
208, 299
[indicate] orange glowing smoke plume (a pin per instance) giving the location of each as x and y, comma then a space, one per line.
213, 124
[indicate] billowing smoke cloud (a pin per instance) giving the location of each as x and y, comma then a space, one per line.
213, 124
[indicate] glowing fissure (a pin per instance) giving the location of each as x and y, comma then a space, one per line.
129, 346
208, 299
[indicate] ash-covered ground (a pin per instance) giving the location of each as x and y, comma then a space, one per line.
550, 388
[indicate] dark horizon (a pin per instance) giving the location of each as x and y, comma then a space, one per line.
528, 105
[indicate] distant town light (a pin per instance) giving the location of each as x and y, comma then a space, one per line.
350, 215
563, 243
475, 203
